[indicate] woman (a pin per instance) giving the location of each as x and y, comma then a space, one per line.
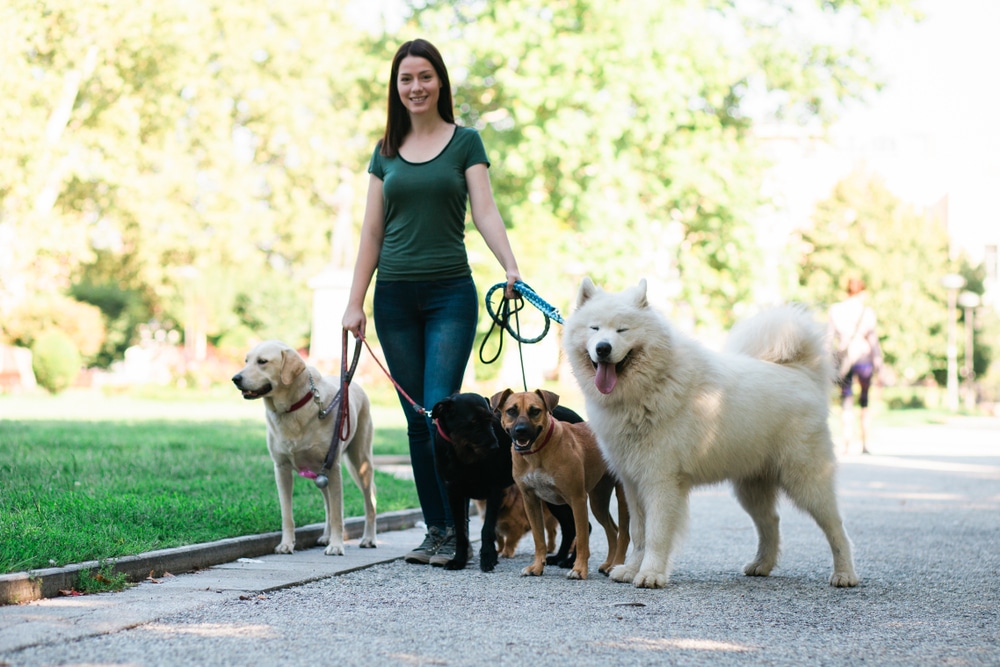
425, 305
853, 326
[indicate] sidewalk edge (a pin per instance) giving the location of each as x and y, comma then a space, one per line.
19, 587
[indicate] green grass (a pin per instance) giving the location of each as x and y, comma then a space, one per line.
85, 477
102, 581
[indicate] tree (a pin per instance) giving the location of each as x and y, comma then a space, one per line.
175, 157
184, 152
622, 133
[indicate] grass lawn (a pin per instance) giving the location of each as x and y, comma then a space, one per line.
85, 476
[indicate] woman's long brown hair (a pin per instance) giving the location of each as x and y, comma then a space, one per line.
397, 123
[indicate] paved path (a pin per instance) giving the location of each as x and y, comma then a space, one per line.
923, 512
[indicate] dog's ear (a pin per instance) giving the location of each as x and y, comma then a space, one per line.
291, 365
587, 290
550, 399
442, 408
639, 294
499, 398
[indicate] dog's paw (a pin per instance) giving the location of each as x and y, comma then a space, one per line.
455, 564
368, 543
532, 571
622, 574
487, 561
285, 548
576, 575
334, 550
757, 569
844, 579
650, 579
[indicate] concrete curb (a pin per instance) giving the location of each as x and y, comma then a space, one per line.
32, 585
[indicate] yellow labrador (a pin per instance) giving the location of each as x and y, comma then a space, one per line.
298, 439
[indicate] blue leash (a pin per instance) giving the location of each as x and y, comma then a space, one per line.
549, 311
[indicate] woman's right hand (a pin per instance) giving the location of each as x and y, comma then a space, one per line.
354, 321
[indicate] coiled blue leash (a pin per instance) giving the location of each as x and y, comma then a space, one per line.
550, 311
503, 319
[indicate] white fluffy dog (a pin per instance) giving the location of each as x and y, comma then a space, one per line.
670, 414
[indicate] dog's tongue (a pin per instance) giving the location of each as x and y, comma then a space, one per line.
606, 377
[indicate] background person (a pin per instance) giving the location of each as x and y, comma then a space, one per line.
853, 327
425, 305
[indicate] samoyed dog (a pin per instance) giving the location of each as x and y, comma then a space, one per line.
670, 414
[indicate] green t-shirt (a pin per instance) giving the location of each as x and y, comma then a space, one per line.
425, 206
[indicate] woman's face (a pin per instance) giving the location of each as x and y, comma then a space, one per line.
419, 85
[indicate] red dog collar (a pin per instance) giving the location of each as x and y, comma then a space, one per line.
302, 401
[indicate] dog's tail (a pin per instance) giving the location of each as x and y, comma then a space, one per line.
787, 335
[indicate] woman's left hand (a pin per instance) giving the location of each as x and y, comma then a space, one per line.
510, 292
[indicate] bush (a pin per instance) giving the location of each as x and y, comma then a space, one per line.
55, 360
81, 322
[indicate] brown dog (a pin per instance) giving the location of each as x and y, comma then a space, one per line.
561, 463
512, 522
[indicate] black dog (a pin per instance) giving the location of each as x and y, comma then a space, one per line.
473, 457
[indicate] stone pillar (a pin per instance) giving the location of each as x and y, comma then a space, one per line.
331, 288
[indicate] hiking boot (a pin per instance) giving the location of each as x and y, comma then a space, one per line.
447, 550
432, 542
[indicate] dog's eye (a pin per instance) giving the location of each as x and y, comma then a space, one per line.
534, 412
594, 327
261, 362
621, 330
511, 412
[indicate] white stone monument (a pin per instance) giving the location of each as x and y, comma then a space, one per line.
331, 287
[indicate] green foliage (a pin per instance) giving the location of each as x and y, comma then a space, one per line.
54, 360
198, 154
81, 322
276, 310
102, 581
123, 310
863, 230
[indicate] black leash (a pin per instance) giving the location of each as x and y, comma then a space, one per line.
501, 320
342, 427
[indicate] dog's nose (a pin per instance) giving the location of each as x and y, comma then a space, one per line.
238, 381
604, 350
523, 431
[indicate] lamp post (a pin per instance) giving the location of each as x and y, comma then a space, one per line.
969, 301
952, 282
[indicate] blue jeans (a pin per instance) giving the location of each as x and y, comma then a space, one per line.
427, 330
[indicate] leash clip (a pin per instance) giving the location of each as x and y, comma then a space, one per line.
323, 412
